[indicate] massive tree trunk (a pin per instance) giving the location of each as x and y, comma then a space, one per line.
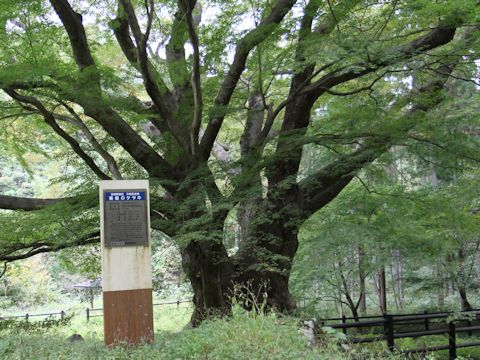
264, 263
209, 270
204, 258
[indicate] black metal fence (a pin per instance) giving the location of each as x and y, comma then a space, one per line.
392, 326
89, 312
27, 316
93, 312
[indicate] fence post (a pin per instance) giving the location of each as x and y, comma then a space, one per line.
469, 324
62, 314
388, 328
452, 346
88, 314
427, 324
344, 320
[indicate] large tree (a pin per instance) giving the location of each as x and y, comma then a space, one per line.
217, 114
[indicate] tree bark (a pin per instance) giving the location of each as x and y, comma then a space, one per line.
465, 304
462, 281
382, 290
362, 276
348, 294
440, 287
209, 270
478, 266
397, 279
248, 206
264, 262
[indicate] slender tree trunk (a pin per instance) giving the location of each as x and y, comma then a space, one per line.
397, 279
339, 303
382, 290
348, 295
362, 276
394, 288
451, 287
478, 266
440, 287
464, 303
462, 282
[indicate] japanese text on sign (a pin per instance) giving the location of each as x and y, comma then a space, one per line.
126, 222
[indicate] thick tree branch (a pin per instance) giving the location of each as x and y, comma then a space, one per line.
437, 37
14, 253
106, 156
72, 21
95, 107
76, 121
244, 46
175, 51
121, 30
295, 114
155, 92
196, 82
320, 188
21, 203
50, 120
325, 26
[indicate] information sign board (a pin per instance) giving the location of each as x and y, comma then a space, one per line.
125, 217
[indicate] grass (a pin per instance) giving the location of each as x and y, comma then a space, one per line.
242, 336
167, 319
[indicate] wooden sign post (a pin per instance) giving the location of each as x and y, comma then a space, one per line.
126, 261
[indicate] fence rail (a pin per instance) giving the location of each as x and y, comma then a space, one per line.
388, 322
88, 312
28, 316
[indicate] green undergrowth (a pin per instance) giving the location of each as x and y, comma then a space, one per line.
379, 347
242, 336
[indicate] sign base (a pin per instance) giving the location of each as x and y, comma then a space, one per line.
128, 317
